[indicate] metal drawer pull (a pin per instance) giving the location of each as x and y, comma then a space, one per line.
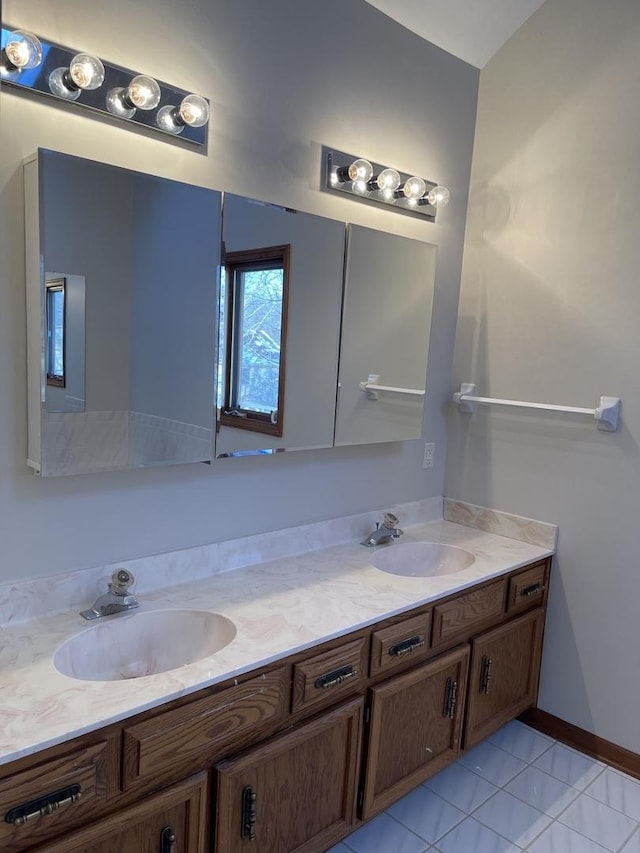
43, 806
406, 646
168, 840
485, 674
335, 677
450, 698
249, 814
533, 589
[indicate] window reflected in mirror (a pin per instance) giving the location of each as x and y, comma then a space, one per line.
252, 339
55, 319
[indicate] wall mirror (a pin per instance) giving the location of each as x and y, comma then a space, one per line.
388, 296
279, 328
121, 316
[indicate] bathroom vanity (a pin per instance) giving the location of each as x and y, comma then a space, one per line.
292, 754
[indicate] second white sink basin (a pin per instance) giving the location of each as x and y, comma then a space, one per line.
422, 559
143, 643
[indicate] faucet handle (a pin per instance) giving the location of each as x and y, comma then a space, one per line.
390, 520
121, 581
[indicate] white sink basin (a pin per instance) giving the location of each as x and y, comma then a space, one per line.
422, 559
143, 643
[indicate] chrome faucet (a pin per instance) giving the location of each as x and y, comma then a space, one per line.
118, 600
385, 532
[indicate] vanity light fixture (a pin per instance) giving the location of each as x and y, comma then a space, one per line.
374, 182
29, 62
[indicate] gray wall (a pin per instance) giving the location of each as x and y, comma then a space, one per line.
549, 311
284, 77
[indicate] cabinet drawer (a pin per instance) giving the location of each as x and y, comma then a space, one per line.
204, 730
51, 798
460, 617
526, 589
406, 641
329, 676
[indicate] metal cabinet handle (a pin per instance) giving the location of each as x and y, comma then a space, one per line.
485, 674
406, 646
249, 814
532, 589
337, 676
43, 806
168, 840
450, 698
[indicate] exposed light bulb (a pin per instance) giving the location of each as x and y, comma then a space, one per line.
84, 72
360, 170
22, 50
167, 120
194, 111
414, 187
117, 103
439, 196
142, 93
388, 180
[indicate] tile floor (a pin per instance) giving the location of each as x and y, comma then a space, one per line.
518, 790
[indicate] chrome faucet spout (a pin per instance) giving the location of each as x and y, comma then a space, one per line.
118, 599
384, 533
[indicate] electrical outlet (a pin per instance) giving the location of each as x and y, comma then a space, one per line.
429, 451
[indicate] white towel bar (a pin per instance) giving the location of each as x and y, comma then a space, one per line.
606, 414
371, 387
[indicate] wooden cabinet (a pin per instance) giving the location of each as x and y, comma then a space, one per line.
504, 672
172, 821
331, 676
415, 728
169, 742
49, 799
459, 617
293, 750
296, 793
402, 643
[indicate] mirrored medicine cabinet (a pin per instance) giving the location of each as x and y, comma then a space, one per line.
121, 282
167, 323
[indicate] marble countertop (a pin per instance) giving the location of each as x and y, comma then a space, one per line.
279, 607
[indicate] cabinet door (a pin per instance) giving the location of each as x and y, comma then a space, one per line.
172, 821
504, 673
296, 792
415, 728
386, 318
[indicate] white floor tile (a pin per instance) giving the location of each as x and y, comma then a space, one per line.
508, 816
472, 837
493, 764
522, 741
383, 834
558, 838
425, 813
618, 791
633, 844
598, 822
461, 787
542, 791
569, 766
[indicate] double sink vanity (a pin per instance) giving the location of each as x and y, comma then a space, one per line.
274, 707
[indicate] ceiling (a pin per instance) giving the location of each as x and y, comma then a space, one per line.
473, 30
